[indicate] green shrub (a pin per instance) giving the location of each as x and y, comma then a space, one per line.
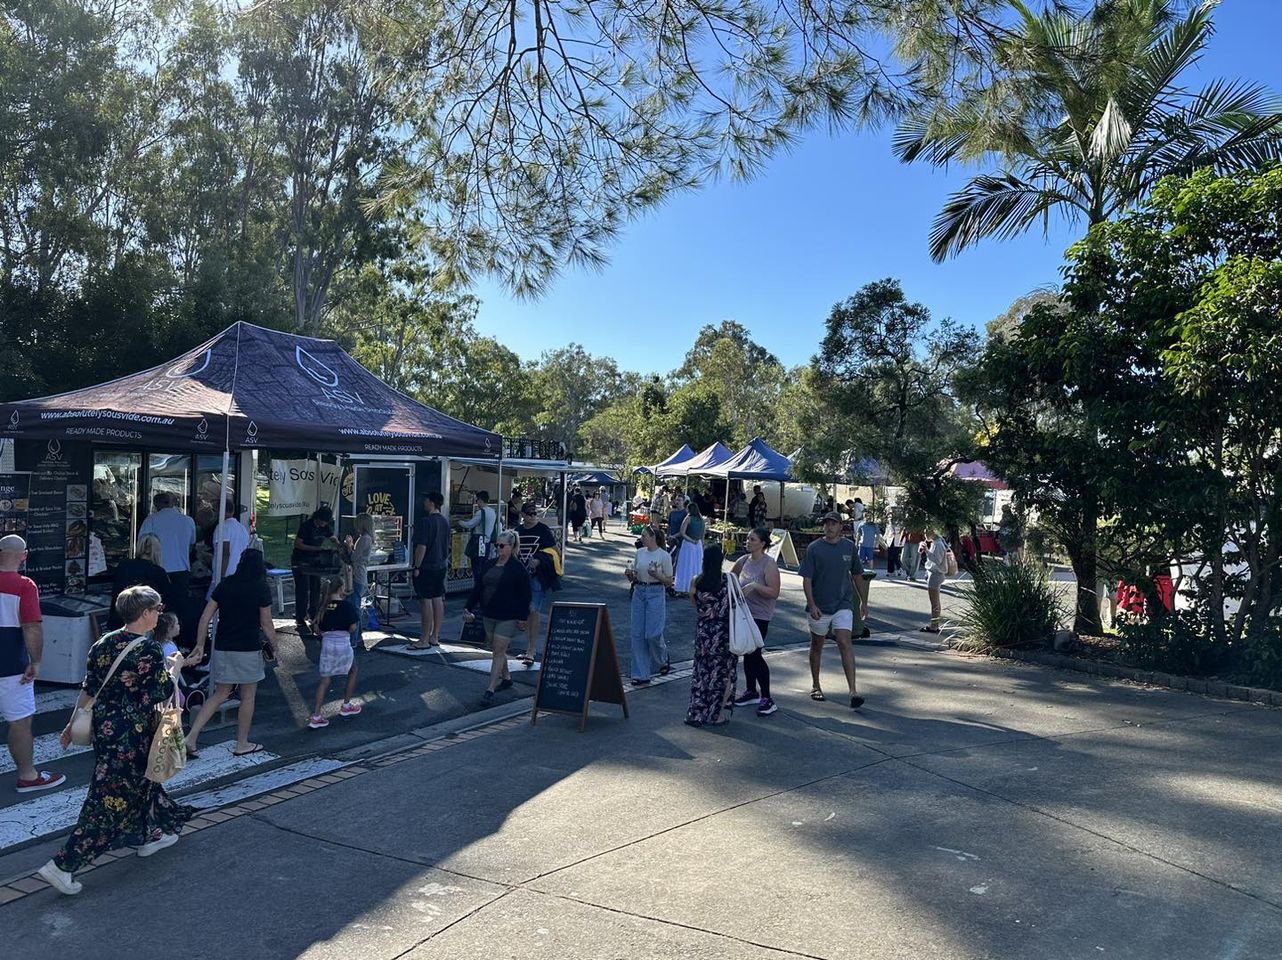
1010, 606
1177, 642
1260, 662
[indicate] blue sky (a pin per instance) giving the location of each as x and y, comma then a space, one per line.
776, 253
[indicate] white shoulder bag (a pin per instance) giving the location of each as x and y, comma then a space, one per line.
82, 717
744, 635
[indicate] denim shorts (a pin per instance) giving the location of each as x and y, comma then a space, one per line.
539, 599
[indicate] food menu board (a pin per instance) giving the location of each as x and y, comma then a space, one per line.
57, 513
15, 488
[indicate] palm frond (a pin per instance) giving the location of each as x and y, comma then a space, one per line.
1002, 206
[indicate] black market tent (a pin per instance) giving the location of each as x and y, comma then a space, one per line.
756, 461
597, 479
705, 462
251, 387
664, 468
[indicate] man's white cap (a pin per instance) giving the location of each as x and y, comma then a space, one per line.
12, 543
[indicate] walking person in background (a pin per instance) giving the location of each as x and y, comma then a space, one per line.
690, 553
482, 530
867, 532
936, 562
431, 562
503, 599
578, 514
757, 509
659, 505
758, 575
912, 553
713, 682
894, 549
356, 551
21, 647
177, 534
143, 569
127, 679
831, 576
315, 537
596, 511
243, 603
339, 627
650, 574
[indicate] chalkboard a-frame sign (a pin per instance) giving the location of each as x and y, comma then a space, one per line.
579, 663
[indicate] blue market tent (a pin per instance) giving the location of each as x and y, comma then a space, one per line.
705, 462
756, 461
597, 479
665, 467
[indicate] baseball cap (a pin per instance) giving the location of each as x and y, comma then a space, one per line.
830, 515
12, 543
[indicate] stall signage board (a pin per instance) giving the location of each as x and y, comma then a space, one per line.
782, 549
15, 489
300, 486
579, 663
58, 519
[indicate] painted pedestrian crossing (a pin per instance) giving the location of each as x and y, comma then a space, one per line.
47, 750
56, 811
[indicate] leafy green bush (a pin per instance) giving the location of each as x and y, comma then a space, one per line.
1260, 662
1010, 606
1177, 642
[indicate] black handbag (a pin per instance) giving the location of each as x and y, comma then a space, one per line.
473, 633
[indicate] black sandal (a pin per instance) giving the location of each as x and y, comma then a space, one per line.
817, 694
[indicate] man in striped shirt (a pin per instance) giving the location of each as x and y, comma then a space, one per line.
21, 644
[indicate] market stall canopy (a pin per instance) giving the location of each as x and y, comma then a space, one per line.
704, 462
756, 461
974, 470
598, 479
678, 458
252, 387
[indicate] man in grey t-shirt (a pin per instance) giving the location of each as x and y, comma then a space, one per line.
831, 576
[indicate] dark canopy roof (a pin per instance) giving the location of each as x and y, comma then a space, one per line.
598, 479
705, 461
756, 461
681, 456
252, 387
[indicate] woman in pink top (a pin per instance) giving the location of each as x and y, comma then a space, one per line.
759, 576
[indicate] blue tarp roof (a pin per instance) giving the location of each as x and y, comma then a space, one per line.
756, 461
678, 458
598, 479
706, 461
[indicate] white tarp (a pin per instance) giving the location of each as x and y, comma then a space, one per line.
300, 486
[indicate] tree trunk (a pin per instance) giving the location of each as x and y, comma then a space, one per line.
1084, 558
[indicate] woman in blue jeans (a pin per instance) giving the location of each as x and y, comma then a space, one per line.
651, 575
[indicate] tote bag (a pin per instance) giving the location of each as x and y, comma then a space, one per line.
168, 752
744, 635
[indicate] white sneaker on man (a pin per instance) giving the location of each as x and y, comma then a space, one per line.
60, 880
155, 846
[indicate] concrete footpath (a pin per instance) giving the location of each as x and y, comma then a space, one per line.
972, 809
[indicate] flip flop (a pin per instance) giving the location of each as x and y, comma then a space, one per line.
193, 754
817, 694
420, 646
929, 629
256, 748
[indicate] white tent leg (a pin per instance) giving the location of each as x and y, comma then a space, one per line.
222, 517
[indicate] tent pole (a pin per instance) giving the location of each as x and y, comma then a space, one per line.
222, 518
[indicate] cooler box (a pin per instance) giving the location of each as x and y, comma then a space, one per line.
68, 635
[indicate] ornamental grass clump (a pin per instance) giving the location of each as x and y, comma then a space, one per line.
1010, 605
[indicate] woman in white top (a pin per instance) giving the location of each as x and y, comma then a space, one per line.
759, 577
596, 510
936, 569
650, 574
356, 551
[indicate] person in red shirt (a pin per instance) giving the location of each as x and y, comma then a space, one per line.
21, 645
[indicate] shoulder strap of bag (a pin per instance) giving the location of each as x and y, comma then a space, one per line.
120, 658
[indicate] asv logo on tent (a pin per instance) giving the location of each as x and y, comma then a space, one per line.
324, 375
183, 370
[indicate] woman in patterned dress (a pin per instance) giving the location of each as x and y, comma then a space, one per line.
713, 683
123, 808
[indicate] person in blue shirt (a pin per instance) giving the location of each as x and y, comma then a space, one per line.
868, 542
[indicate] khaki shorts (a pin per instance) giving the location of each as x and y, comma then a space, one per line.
841, 620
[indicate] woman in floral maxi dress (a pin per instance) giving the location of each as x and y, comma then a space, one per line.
123, 807
713, 684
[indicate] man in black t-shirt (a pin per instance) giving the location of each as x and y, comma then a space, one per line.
534, 535
431, 561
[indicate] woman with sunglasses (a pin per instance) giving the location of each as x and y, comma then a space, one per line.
123, 808
502, 596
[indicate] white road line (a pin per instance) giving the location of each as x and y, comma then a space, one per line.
51, 700
55, 812
47, 750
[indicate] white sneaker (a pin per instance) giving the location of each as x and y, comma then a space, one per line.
166, 840
60, 880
